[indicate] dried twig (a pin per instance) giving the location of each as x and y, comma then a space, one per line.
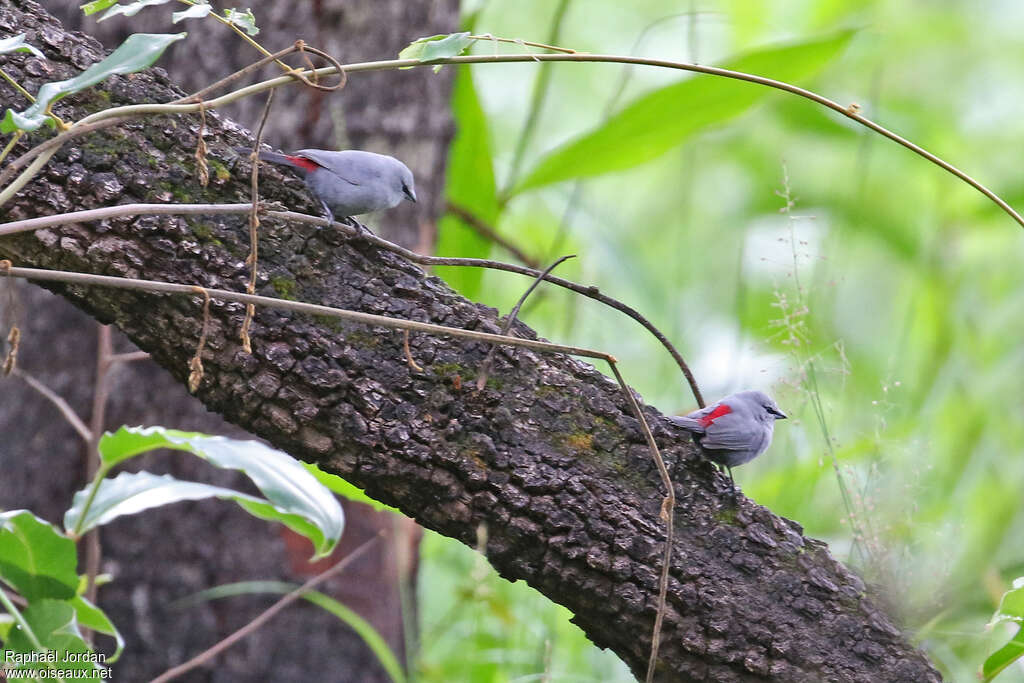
195, 366
65, 409
589, 292
667, 516
485, 367
200, 155
413, 365
254, 223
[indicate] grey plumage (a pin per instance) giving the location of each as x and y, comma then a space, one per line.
350, 182
735, 430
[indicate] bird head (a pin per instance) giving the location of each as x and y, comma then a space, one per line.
763, 406
408, 186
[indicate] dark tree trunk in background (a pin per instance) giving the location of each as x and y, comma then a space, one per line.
547, 458
161, 556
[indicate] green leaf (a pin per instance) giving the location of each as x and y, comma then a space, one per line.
131, 492
6, 623
17, 44
1011, 606
132, 9
429, 48
662, 119
1003, 657
344, 489
127, 442
137, 52
470, 186
92, 617
244, 20
54, 624
35, 559
294, 497
363, 628
193, 12
96, 6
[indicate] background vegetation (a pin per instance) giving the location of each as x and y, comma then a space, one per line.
884, 309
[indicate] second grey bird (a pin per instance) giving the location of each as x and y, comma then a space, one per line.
735, 430
350, 182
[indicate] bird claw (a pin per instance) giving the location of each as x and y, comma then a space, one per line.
362, 232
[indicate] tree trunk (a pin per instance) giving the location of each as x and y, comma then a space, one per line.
547, 457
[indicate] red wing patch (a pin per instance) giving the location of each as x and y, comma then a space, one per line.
305, 163
718, 412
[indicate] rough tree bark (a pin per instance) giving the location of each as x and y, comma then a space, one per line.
547, 457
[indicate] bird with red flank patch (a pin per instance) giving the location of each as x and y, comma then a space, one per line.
735, 430
350, 182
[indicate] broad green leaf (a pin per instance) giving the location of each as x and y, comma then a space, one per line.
661, 120
363, 628
344, 489
294, 496
127, 442
96, 6
131, 492
470, 186
132, 9
35, 559
137, 52
92, 617
1003, 657
193, 12
54, 625
17, 44
429, 48
244, 20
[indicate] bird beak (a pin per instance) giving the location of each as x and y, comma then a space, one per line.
779, 415
409, 194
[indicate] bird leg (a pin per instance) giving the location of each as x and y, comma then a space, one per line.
328, 214
735, 491
361, 230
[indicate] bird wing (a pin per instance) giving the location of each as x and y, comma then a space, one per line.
330, 162
688, 423
730, 432
699, 420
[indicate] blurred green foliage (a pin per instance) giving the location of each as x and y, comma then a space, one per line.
898, 286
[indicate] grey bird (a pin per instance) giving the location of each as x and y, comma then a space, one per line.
735, 430
350, 182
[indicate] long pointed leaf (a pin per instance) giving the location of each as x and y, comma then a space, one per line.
136, 53
17, 44
661, 120
132, 9
293, 495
